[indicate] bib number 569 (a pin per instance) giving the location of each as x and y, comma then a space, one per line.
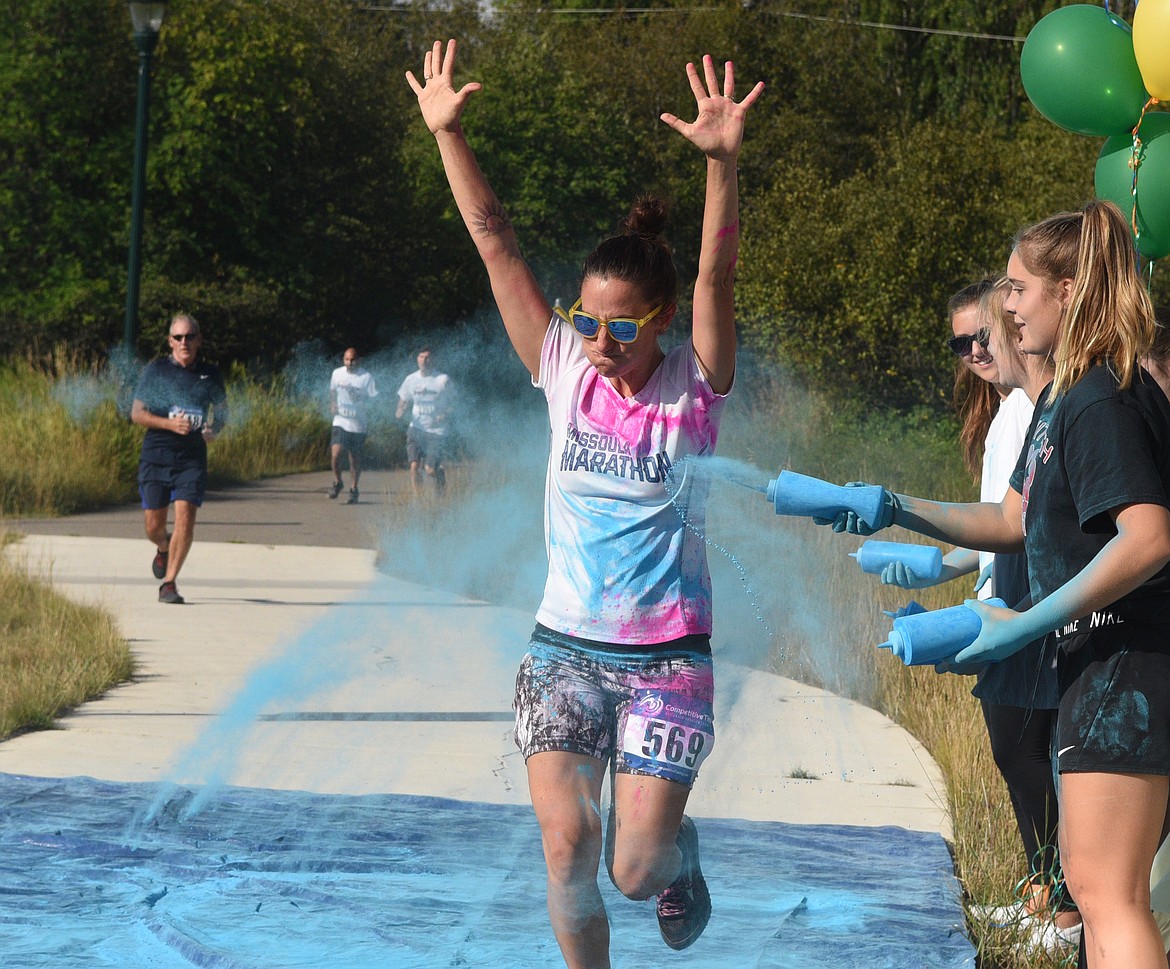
673, 743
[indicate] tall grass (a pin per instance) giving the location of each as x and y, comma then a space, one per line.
270, 432
54, 653
67, 444
63, 446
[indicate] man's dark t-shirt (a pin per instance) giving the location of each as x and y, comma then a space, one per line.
166, 389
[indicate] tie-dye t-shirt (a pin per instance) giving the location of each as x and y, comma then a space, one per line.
624, 520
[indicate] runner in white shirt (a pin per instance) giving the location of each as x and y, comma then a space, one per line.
350, 387
619, 668
431, 397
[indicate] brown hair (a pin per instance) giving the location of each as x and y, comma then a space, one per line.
639, 254
975, 400
1160, 348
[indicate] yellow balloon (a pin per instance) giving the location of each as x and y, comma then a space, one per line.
1151, 46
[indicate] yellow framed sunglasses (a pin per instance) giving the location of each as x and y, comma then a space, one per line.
622, 329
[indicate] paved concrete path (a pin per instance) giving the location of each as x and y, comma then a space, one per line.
296, 665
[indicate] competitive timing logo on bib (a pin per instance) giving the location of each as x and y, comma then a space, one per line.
650, 705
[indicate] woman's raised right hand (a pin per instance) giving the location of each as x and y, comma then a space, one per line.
441, 105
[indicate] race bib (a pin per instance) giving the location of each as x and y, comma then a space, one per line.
193, 414
668, 735
347, 410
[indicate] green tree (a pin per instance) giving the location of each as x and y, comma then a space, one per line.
65, 155
276, 214
847, 283
293, 192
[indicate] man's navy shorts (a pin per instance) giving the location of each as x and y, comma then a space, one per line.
160, 484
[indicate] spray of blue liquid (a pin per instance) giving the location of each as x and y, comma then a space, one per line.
691, 472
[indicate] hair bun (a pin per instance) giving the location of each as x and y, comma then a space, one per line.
647, 217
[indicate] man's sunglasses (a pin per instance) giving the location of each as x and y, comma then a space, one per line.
184, 337
961, 345
622, 329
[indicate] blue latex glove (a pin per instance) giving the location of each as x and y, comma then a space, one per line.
848, 521
997, 638
984, 576
900, 574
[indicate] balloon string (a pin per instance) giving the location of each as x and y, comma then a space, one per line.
1135, 162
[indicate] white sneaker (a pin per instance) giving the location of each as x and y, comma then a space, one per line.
1051, 938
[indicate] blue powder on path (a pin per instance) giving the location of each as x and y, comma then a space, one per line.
285, 880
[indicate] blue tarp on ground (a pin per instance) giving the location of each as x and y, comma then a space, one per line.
261, 878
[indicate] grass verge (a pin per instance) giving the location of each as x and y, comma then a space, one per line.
54, 653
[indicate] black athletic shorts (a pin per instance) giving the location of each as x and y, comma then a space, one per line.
353, 442
1114, 715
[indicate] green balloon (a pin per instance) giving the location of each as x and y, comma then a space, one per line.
1113, 180
1080, 72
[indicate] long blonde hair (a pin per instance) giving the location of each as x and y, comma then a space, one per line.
1004, 328
1109, 318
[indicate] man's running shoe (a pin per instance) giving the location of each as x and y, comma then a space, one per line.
169, 592
159, 565
353, 496
334, 490
684, 907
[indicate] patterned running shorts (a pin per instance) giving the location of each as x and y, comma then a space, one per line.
651, 713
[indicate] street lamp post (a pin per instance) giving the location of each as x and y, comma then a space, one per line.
147, 18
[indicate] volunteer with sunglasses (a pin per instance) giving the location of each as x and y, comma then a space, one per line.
996, 386
994, 420
1090, 502
619, 667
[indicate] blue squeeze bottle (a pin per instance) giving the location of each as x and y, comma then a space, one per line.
807, 497
928, 637
924, 560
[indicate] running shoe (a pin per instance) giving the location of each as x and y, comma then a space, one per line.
353, 496
1046, 936
159, 565
334, 490
169, 592
684, 907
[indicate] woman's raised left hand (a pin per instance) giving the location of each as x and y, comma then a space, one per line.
718, 129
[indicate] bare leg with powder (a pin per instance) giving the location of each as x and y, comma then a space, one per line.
566, 794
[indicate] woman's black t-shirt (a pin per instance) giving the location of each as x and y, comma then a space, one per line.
1094, 449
